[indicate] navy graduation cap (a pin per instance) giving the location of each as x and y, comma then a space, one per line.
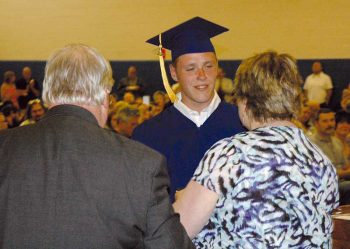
192, 36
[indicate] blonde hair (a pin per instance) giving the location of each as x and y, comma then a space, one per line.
271, 85
77, 74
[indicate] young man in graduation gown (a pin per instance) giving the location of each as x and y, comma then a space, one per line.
198, 118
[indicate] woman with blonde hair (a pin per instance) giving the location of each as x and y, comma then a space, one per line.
268, 187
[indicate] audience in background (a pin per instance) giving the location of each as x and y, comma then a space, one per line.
8, 88
35, 111
131, 83
27, 87
224, 86
318, 86
333, 148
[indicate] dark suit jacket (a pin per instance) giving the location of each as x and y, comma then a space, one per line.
67, 183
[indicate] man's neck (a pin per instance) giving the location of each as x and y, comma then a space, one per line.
198, 107
97, 111
323, 136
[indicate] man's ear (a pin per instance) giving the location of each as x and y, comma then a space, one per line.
105, 103
173, 72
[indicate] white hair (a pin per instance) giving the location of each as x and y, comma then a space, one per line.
77, 74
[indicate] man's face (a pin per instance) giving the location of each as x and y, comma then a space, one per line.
305, 114
37, 112
342, 129
132, 73
126, 128
27, 73
316, 68
325, 124
196, 74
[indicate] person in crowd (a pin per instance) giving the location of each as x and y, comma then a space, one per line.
345, 100
86, 187
224, 86
129, 98
325, 139
318, 86
113, 99
28, 88
125, 120
3, 122
314, 108
145, 113
131, 83
11, 115
257, 189
138, 101
8, 88
303, 118
159, 99
184, 131
342, 127
333, 148
35, 111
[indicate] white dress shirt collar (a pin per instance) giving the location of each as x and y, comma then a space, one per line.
197, 117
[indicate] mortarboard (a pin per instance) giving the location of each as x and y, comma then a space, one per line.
192, 36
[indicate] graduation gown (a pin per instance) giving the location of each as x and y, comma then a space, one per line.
182, 142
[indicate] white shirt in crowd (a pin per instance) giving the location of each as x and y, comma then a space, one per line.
197, 117
317, 86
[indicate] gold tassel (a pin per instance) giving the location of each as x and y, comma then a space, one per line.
168, 89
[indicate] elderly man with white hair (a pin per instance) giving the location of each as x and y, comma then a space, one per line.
78, 185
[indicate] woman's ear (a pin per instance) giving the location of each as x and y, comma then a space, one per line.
173, 72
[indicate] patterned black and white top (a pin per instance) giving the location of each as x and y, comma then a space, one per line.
277, 190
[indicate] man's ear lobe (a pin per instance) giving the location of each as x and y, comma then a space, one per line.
173, 72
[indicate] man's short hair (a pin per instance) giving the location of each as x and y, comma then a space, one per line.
322, 111
127, 112
342, 117
271, 85
77, 74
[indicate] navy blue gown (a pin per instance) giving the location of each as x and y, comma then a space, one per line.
182, 142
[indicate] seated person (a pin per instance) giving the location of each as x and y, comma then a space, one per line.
11, 115
342, 127
35, 111
129, 98
159, 99
257, 189
125, 120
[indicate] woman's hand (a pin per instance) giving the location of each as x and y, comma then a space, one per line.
195, 204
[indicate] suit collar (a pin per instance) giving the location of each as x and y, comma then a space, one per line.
71, 110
